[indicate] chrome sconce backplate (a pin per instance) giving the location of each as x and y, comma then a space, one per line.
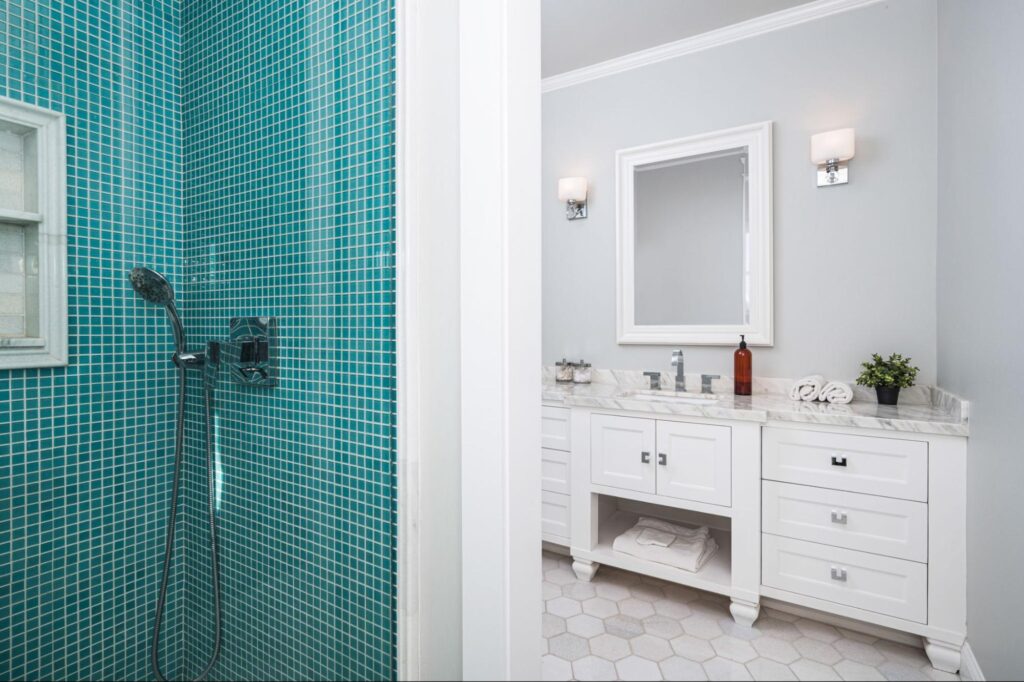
575, 210
832, 173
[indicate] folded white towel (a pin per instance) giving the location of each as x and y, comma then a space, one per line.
688, 551
649, 536
836, 392
807, 388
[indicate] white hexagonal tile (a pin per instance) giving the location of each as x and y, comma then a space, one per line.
733, 648
600, 607
636, 608
610, 647
745, 632
938, 675
560, 576
779, 629
660, 626
680, 669
779, 615
550, 590
775, 649
612, 591
851, 670
857, 636
771, 671
702, 626
724, 669
564, 607
647, 592
552, 625
672, 608
894, 670
692, 648
859, 652
678, 593
636, 668
579, 591
555, 669
623, 626
816, 630
568, 646
650, 647
809, 670
585, 626
593, 668
708, 608
901, 653
817, 650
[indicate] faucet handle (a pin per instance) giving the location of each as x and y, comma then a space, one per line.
677, 356
655, 378
705, 382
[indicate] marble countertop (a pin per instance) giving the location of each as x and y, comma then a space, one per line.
939, 417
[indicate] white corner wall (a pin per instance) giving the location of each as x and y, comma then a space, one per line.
854, 265
980, 314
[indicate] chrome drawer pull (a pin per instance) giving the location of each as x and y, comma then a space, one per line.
838, 517
838, 461
662, 459
839, 574
645, 457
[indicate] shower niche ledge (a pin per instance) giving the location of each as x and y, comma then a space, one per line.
33, 237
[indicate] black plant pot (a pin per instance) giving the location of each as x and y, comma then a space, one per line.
888, 395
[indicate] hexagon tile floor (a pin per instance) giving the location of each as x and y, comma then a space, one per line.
623, 626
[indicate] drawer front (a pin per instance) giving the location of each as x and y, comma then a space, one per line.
880, 525
554, 474
554, 428
893, 587
622, 452
695, 462
554, 516
861, 464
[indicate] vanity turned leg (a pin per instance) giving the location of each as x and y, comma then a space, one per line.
943, 655
744, 612
585, 570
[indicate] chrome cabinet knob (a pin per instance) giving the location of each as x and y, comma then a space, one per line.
838, 517
839, 574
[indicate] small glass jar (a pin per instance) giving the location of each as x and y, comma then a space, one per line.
564, 371
581, 374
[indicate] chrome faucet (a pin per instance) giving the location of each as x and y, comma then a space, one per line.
677, 362
655, 378
705, 382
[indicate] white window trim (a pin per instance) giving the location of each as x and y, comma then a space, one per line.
757, 138
51, 349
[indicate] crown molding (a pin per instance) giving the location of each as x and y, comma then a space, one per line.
811, 11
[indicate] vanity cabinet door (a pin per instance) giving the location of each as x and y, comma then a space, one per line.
622, 452
695, 462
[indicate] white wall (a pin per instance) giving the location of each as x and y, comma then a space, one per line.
854, 265
980, 319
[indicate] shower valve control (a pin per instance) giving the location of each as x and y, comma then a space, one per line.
250, 350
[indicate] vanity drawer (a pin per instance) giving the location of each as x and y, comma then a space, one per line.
555, 516
880, 525
554, 428
862, 464
554, 473
893, 587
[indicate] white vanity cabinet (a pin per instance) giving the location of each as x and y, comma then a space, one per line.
556, 468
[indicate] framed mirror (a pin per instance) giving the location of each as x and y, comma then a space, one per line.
694, 239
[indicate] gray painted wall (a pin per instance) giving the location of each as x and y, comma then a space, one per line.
691, 211
980, 320
854, 265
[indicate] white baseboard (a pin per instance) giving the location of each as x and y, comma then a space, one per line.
969, 668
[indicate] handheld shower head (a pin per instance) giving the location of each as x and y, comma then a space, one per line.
154, 288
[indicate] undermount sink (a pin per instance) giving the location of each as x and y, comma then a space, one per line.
672, 397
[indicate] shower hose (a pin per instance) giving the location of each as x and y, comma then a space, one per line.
179, 442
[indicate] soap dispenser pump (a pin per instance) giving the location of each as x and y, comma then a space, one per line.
742, 373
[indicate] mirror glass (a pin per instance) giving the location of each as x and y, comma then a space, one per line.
692, 240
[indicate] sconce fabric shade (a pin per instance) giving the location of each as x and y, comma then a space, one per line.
572, 189
836, 144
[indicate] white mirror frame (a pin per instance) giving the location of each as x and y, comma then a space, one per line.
757, 138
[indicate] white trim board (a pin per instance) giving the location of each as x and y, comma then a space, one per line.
811, 11
970, 669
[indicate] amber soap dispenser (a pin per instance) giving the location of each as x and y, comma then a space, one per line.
742, 368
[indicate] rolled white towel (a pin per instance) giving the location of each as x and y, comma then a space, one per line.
836, 392
807, 388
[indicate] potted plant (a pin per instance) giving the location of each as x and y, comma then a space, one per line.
887, 377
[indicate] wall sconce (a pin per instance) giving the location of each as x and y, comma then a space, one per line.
830, 150
573, 191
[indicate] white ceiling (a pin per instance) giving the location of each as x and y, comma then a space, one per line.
578, 33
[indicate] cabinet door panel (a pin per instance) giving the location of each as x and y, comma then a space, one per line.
622, 452
695, 462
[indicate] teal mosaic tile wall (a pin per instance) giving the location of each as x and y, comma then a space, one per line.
84, 450
288, 110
